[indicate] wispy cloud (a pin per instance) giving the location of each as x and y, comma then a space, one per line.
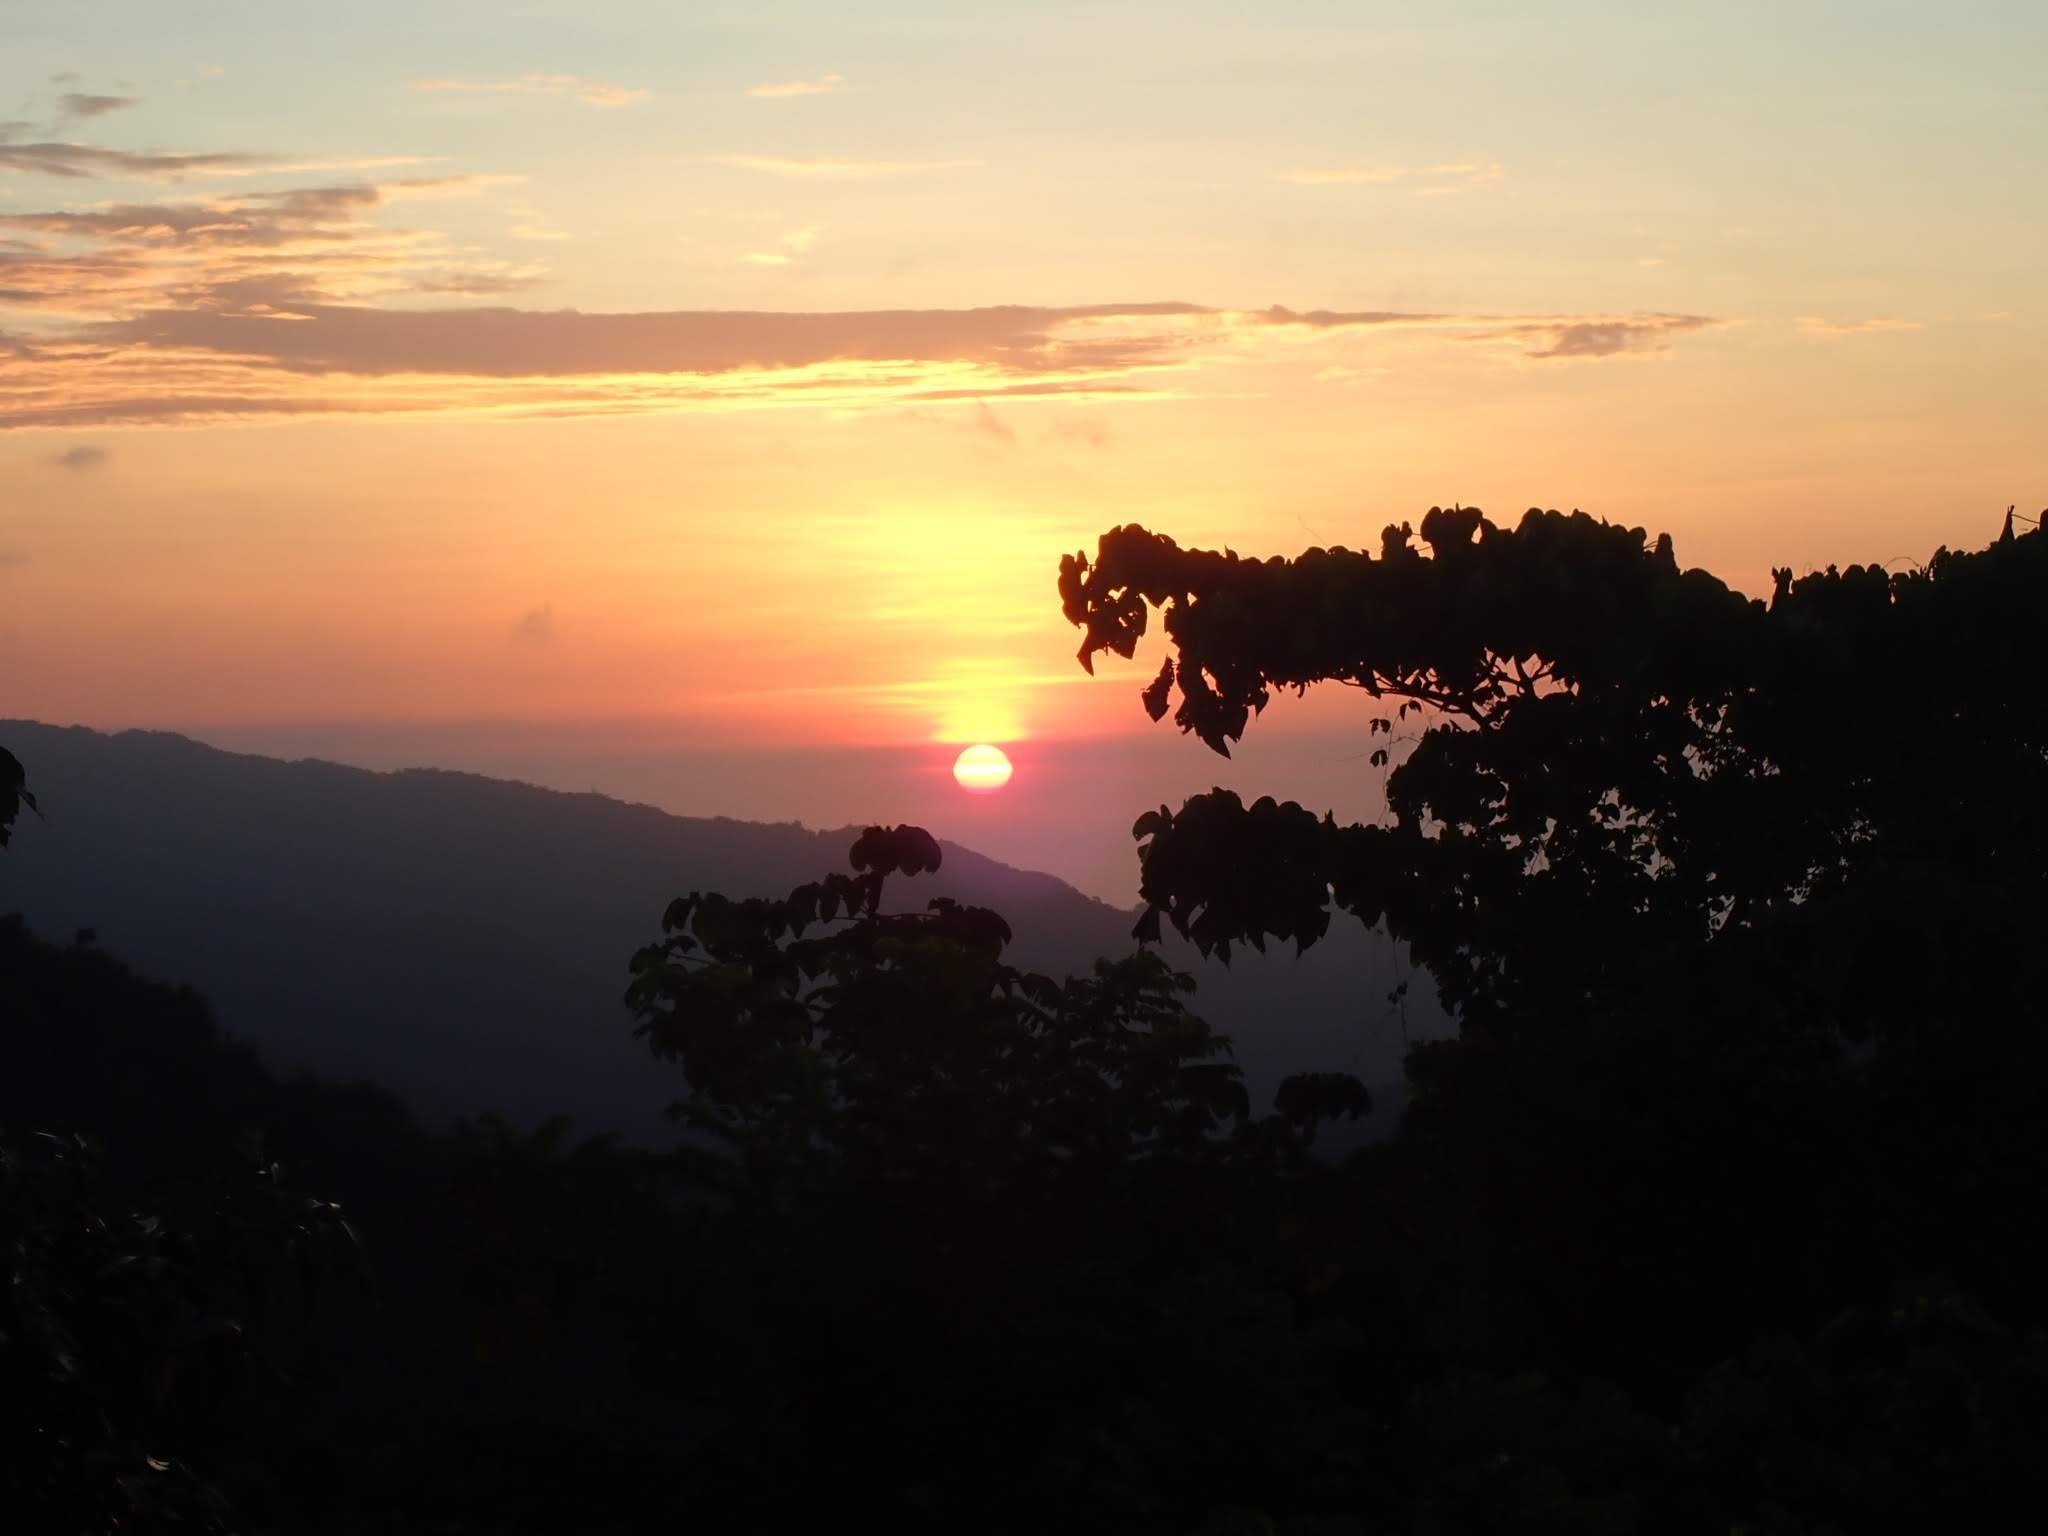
824, 85
1568, 336
85, 162
1425, 181
248, 253
1815, 325
257, 351
789, 248
83, 104
838, 170
596, 93
991, 426
304, 300
1082, 431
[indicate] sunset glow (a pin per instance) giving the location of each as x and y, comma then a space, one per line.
626, 372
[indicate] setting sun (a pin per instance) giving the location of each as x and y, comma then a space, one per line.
982, 769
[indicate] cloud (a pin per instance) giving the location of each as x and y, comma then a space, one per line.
791, 246
495, 282
10, 559
613, 95
86, 456
594, 93
259, 350
824, 85
305, 300
537, 626
81, 104
1425, 181
514, 343
1814, 325
86, 162
1566, 336
249, 251
838, 170
1080, 431
992, 426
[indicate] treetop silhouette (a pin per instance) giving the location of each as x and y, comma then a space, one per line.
1621, 761
821, 1036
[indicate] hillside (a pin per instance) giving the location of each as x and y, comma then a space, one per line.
463, 940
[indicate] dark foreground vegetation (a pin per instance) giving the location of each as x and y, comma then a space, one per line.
1726, 1209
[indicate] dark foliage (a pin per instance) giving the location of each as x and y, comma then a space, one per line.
424, 1345
1734, 901
13, 793
976, 1218
1623, 765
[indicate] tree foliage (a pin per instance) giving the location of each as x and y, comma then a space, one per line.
140, 1355
1622, 764
822, 1038
13, 793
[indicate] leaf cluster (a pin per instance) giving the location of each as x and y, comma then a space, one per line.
1623, 763
822, 1037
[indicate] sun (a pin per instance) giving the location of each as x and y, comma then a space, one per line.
982, 769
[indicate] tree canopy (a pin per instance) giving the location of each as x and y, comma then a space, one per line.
1621, 763
822, 1037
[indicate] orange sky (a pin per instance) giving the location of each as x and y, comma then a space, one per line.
723, 384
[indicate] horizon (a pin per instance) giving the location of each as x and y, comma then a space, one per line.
885, 785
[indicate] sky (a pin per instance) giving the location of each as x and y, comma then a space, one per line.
694, 402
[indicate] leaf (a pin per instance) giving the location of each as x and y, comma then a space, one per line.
1155, 693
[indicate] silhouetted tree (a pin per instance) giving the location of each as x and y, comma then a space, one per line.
13, 793
1621, 765
968, 1216
1736, 904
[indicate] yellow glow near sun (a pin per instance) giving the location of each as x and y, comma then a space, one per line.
982, 768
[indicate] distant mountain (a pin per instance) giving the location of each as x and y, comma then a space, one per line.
463, 940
